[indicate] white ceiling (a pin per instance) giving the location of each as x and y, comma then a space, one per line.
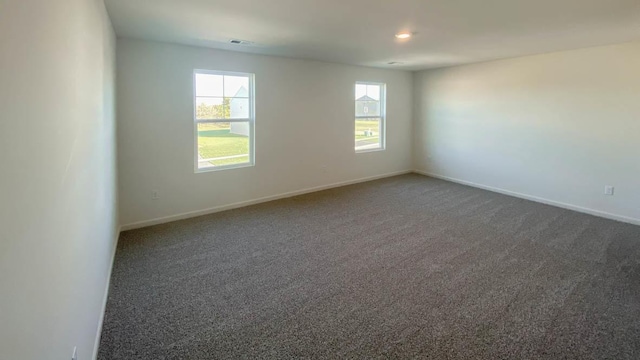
361, 32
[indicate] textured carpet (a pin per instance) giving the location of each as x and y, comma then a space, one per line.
404, 267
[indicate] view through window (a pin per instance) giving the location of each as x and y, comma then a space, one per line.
224, 119
370, 116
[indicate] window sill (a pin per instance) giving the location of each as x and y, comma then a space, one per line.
223, 167
369, 150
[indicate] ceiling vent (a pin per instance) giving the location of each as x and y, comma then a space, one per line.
240, 42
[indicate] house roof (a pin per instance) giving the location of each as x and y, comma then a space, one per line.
242, 92
366, 98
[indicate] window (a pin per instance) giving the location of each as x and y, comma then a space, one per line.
370, 116
224, 120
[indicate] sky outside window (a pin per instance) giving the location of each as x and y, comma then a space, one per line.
372, 91
220, 85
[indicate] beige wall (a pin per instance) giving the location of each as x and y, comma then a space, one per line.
304, 129
555, 127
58, 182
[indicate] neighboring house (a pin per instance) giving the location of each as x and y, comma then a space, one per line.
367, 106
239, 109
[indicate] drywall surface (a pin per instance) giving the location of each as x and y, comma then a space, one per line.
556, 126
58, 181
304, 128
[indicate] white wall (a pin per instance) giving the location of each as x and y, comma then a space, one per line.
58, 182
304, 123
557, 126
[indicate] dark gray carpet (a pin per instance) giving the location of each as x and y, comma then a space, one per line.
405, 267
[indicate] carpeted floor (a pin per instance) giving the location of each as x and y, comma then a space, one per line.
404, 267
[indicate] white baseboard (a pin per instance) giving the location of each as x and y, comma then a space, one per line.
216, 209
577, 208
96, 345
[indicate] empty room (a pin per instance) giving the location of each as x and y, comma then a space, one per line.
409, 179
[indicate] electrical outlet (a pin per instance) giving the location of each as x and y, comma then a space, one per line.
155, 195
608, 190
75, 353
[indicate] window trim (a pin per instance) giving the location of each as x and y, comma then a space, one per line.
251, 120
382, 116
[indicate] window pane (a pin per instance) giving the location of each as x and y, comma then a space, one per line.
373, 91
238, 108
223, 144
209, 85
368, 134
210, 108
236, 86
361, 90
367, 108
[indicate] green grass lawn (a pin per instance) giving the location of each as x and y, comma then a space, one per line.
364, 125
215, 140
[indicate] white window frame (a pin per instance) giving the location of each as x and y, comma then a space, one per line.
382, 117
250, 120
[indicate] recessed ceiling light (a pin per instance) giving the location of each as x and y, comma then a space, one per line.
403, 35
